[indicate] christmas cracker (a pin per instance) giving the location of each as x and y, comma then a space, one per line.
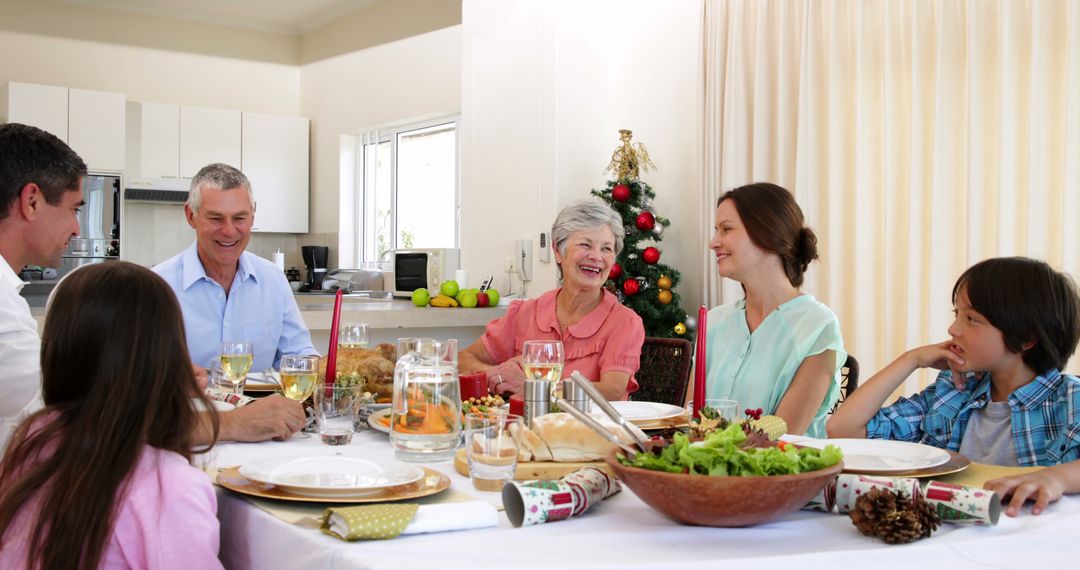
535, 502
954, 503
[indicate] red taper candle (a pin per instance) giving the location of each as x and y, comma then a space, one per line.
699, 360
331, 352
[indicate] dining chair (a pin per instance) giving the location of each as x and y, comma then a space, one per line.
849, 380
665, 370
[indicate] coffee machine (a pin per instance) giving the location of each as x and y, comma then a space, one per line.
315, 257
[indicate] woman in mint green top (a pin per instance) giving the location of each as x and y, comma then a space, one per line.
777, 349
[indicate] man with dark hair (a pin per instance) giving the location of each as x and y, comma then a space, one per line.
40, 197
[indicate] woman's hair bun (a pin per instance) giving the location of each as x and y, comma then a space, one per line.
806, 248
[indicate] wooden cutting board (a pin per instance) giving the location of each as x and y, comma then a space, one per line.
532, 470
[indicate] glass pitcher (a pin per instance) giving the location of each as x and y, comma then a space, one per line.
425, 417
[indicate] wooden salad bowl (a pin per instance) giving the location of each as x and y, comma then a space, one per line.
722, 501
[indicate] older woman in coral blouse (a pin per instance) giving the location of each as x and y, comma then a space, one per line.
601, 337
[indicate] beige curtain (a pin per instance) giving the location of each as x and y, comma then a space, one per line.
919, 136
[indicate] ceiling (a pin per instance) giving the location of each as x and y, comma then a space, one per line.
293, 17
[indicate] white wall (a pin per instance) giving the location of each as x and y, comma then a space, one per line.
146, 74
404, 81
546, 87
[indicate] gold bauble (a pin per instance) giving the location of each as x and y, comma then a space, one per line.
664, 282
680, 329
664, 296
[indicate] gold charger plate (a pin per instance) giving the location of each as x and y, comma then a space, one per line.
955, 464
256, 387
432, 482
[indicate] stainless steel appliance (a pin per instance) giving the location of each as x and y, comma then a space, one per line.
99, 224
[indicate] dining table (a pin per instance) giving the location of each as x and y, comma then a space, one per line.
620, 532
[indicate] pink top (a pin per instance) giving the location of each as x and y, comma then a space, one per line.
607, 339
168, 519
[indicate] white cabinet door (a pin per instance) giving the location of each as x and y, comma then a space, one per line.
275, 159
41, 106
153, 140
96, 128
208, 136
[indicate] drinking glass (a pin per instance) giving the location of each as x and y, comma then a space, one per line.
353, 335
490, 449
236, 359
542, 360
215, 377
335, 410
299, 374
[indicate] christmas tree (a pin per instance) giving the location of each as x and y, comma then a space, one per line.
638, 278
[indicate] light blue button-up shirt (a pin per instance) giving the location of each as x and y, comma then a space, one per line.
259, 309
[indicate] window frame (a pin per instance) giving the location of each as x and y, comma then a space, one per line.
392, 136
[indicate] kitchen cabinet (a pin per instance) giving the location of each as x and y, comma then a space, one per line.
96, 128
208, 136
41, 106
153, 140
275, 159
90, 122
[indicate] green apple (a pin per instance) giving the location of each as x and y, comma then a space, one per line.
493, 297
449, 288
467, 299
421, 297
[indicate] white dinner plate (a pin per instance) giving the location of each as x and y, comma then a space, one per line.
642, 411
880, 455
218, 405
373, 420
331, 476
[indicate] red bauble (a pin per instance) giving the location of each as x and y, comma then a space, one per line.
631, 287
616, 271
651, 255
645, 221
620, 193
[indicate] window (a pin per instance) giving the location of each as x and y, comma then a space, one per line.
408, 190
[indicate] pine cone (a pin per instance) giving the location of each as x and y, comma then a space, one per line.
892, 517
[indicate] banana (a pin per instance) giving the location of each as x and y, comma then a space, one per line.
443, 301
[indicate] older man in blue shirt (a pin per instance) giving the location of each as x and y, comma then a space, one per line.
227, 294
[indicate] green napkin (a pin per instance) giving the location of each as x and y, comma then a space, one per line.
368, 522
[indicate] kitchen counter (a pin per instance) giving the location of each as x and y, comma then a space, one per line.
384, 317
391, 314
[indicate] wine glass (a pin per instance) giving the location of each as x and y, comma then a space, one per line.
353, 335
542, 360
299, 374
236, 359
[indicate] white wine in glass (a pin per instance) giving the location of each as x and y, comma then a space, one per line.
542, 360
549, 372
353, 335
236, 360
299, 374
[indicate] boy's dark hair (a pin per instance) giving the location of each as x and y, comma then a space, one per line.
29, 154
1028, 301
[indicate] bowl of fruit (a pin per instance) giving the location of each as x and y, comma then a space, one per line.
732, 477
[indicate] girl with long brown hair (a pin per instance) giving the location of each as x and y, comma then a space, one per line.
778, 348
101, 476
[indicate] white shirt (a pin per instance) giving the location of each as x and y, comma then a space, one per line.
20, 353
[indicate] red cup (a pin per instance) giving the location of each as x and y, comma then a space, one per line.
517, 404
473, 385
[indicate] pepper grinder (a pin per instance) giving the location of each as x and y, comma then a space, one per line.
537, 399
575, 396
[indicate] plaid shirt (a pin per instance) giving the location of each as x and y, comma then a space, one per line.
1045, 417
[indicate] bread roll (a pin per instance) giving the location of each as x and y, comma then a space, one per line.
568, 439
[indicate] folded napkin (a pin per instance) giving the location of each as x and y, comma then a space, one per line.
383, 521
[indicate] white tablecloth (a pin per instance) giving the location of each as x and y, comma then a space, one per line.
622, 532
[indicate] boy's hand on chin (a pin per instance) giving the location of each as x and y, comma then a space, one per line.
943, 356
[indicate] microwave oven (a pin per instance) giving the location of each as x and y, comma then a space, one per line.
427, 268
